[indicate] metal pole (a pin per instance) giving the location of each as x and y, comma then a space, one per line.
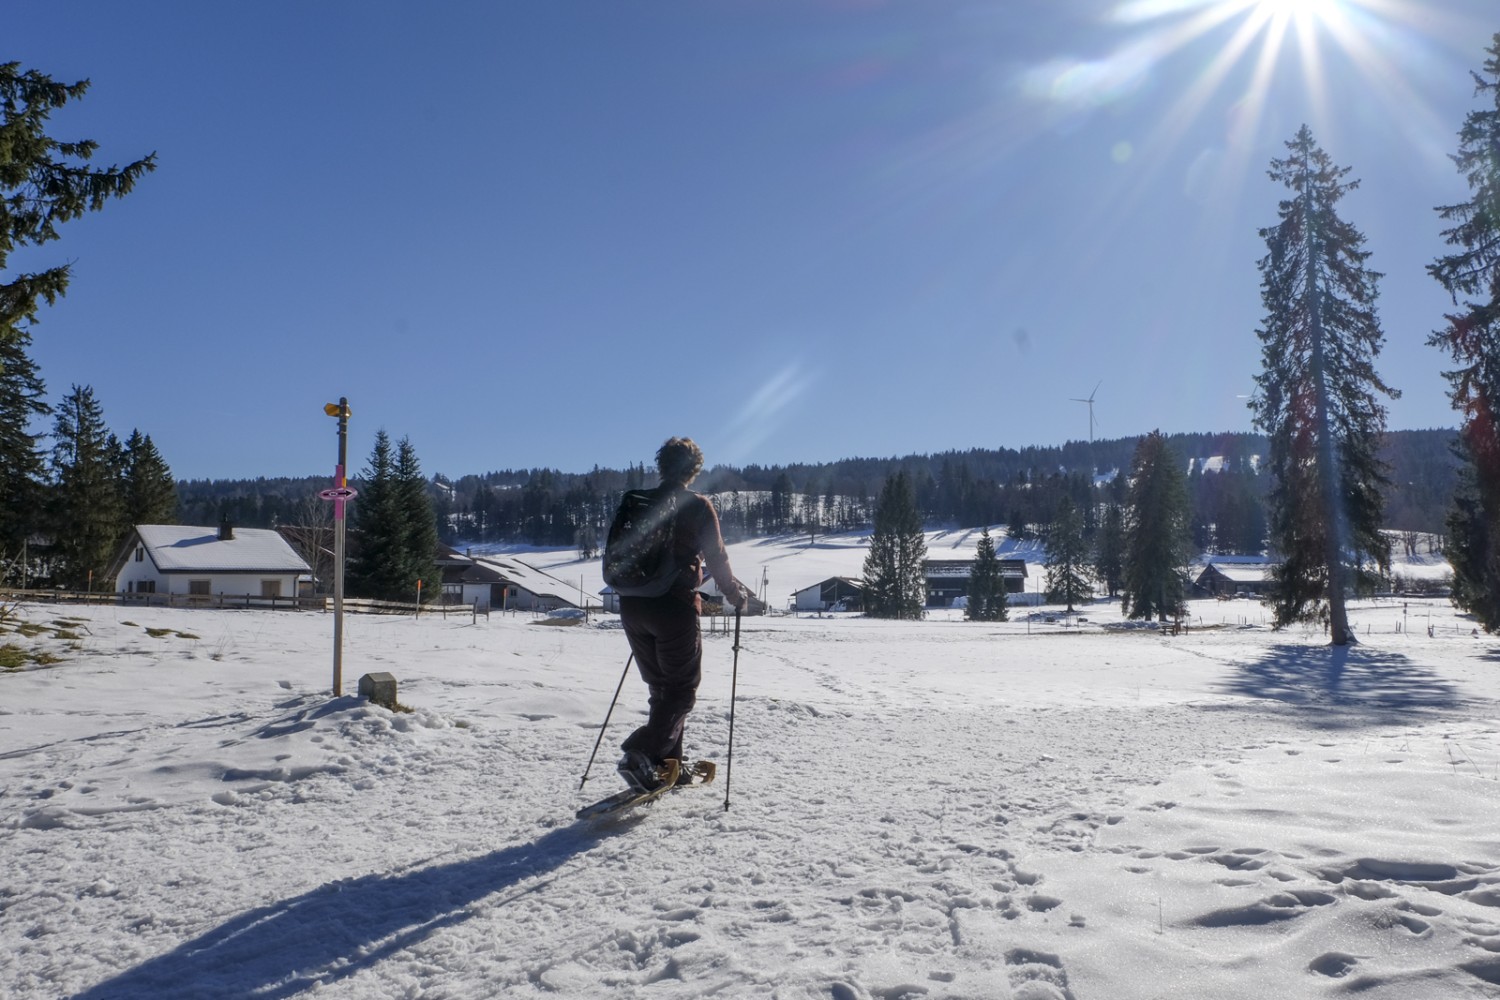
734, 682
589, 766
340, 481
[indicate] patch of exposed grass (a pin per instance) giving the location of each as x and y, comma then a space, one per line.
157, 633
66, 634
14, 656
29, 630
131, 624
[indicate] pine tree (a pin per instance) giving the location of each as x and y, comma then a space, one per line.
149, 491
419, 537
894, 573
375, 521
87, 521
987, 597
1472, 341
1156, 532
1316, 397
22, 464
44, 183
1109, 549
1067, 556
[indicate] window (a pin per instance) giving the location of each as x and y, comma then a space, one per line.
199, 588
140, 553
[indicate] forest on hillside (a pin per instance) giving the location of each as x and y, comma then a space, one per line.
1019, 488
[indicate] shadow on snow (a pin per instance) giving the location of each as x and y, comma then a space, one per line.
1335, 687
344, 927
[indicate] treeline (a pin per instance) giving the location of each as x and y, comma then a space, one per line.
1018, 488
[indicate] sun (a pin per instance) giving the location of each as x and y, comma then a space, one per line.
1257, 33
1298, 10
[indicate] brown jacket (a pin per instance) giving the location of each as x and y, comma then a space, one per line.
698, 544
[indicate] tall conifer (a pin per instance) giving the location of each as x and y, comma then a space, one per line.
22, 463
1472, 341
148, 489
987, 598
419, 537
1317, 393
1157, 538
375, 520
87, 519
894, 572
1067, 556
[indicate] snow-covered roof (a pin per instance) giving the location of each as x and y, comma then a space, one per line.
849, 581
541, 583
178, 548
1241, 570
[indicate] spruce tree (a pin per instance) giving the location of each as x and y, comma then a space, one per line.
1156, 525
87, 520
1109, 549
148, 490
1317, 394
44, 183
1471, 276
22, 463
375, 522
894, 573
419, 537
1067, 556
987, 597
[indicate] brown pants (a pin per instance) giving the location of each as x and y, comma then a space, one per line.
663, 635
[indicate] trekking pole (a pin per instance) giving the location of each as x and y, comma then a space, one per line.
607, 714
734, 681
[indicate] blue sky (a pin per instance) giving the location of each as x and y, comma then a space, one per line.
555, 233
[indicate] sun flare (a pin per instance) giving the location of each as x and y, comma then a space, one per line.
1301, 10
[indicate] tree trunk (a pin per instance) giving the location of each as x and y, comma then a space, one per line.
1328, 478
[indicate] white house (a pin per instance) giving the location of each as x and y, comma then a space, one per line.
207, 562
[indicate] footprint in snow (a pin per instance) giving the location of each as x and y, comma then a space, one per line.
1036, 975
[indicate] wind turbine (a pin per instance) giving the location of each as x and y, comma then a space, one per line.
1090, 401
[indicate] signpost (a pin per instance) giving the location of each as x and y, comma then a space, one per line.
340, 495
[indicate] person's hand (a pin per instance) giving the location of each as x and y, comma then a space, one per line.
740, 599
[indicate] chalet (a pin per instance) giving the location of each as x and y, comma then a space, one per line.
206, 562
1228, 576
949, 578
842, 592
504, 583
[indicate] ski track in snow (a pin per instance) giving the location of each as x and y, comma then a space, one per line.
917, 810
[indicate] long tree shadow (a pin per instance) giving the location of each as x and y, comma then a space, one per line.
341, 928
1339, 686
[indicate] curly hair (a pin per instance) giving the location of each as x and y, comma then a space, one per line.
679, 460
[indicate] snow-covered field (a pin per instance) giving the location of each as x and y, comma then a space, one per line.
938, 809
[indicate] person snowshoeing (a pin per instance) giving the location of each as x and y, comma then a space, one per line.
662, 627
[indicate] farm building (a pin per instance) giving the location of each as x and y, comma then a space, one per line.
836, 591
1227, 576
949, 578
504, 583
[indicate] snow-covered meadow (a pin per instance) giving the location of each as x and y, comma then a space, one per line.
937, 809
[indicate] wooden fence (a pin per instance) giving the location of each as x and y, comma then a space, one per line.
356, 606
